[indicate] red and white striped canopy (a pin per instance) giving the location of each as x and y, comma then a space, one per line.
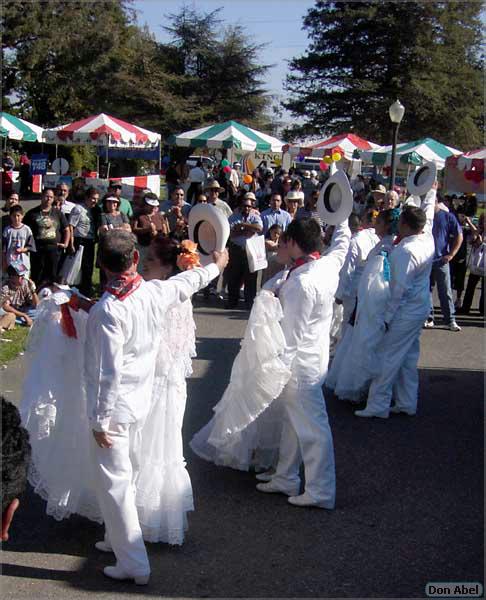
103, 130
475, 159
345, 143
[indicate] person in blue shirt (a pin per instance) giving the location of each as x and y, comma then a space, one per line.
275, 215
244, 224
447, 234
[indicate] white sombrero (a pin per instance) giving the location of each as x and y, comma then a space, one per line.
209, 229
421, 181
335, 202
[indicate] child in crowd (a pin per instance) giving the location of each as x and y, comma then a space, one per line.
271, 244
18, 242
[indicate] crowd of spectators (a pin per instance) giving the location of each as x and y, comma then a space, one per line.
36, 244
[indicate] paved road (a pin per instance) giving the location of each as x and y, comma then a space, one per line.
409, 501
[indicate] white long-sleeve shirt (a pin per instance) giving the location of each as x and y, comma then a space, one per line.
122, 339
307, 298
410, 266
359, 248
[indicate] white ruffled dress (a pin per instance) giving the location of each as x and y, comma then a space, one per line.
245, 429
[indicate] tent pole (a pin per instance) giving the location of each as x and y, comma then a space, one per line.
160, 156
56, 150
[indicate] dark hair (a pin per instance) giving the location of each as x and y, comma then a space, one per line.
306, 233
274, 227
15, 454
414, 217
353, 222
390, 219
103, 201
16, 209
166, 250
276, 194
178, 187
49, 189
91, 191
116, 250
150, 196
12, 271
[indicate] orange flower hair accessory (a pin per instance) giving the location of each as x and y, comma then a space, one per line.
189, 256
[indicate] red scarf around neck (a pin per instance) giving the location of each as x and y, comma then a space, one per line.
124, 284
302, 260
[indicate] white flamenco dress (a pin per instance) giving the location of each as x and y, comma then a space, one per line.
163, 486
358, 356
245, 429
53, 410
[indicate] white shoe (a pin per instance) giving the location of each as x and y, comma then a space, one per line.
306, 499
453, 326
429, 324
397, 410
272, 488
103, 546
119, 574
265, 476
368, 413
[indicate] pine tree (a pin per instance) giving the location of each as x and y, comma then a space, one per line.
364, 55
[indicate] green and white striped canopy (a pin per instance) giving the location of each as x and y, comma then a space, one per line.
14, 128
227, 135
411, 153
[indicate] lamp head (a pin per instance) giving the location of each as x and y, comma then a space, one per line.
396, 111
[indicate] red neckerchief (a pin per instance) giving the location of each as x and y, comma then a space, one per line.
124, 284
397, 240
302, 260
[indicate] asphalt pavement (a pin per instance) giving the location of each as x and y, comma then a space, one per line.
410, 498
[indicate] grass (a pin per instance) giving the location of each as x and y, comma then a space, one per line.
17, 339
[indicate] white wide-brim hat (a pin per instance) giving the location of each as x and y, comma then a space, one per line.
421, 180
335, 202
209, 229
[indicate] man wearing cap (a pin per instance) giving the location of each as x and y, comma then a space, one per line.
212, 191
122, 340
115, 189
379, 194
275, 215
243, 225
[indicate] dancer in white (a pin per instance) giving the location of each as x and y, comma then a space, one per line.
164, 492
405, 313
358, 355
307, 296
122, 342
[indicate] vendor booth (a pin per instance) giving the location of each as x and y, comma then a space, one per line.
108, 132
465, 174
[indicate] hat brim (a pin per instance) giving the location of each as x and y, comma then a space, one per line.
209, 229
210, 187
335, 202
422, 180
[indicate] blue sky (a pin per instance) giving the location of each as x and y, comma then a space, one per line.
277, 23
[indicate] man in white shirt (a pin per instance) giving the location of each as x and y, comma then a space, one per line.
407, 309
197, 176
306, 293
120, 353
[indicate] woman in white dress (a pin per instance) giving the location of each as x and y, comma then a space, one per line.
358, 359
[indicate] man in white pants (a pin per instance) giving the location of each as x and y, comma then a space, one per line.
307, 297
408, 307
121, 347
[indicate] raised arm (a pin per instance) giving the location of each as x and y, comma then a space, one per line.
340, 244
427, 206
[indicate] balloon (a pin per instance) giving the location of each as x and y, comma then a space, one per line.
247, 178
323, 166
225, 163
336, 157
327, 160
227, 169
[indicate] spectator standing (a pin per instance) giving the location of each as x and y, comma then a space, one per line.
473, 280
292, 201
445, 228
62, 195
115, 189
12, 200
197, 176
171, 178
18, 242
213, 189
84, 221
310, 209
243, 225
275, 215
24, 174
272, 238
50, 229
149, 223
176, 209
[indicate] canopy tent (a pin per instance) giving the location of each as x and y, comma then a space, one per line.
411, 153
227, 135
103, 130
348, 144
14, 128
473, 160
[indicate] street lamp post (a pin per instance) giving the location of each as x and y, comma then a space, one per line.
396, 112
